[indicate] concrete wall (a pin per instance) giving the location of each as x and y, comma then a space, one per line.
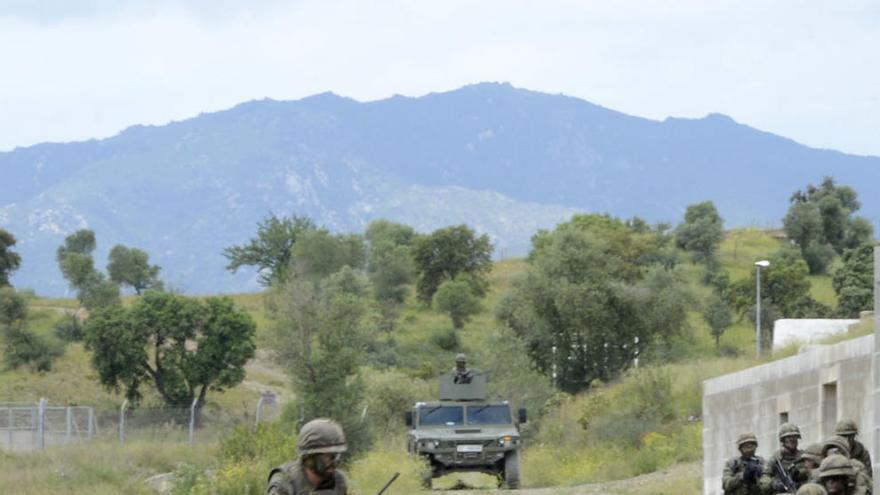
813, 390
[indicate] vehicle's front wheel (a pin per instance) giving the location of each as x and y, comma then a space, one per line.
511, 469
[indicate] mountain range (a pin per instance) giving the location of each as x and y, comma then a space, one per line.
504, 160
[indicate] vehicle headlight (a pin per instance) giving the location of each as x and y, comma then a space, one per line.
507, 441
429, 444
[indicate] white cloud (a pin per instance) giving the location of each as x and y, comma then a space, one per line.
88, 68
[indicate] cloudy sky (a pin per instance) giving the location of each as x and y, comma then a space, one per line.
77, 69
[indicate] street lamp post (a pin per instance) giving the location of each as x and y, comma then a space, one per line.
758, 266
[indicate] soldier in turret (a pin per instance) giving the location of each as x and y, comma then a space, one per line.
741, 472
461, 373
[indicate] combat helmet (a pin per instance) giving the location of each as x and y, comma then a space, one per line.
813, 452
746, 438
789, 430
846, 427
320, 436
811, 489
460, 358
835, 465
836, 442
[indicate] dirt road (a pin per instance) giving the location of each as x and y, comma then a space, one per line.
681, 479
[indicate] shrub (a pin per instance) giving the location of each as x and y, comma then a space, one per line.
26, 348
445, 338
69, 329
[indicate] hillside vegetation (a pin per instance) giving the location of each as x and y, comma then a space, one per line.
641, 421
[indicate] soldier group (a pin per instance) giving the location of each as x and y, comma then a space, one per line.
840, 465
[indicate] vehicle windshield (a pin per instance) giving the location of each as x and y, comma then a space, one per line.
488, 415
441, 415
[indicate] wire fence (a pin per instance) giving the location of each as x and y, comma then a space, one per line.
27, 426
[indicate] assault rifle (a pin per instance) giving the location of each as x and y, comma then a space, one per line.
787, 482
388, 484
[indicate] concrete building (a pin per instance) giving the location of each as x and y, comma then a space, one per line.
806, 331
813, 389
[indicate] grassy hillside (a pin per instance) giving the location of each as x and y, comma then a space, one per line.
563, 439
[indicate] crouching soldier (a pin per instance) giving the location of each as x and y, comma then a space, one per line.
836, 473
811, 458
741, 472
320, 444
860, 481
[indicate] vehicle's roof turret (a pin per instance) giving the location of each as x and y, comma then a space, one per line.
472, 389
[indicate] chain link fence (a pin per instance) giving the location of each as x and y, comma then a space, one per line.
27, 426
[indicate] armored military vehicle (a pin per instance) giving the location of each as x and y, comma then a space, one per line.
463, 431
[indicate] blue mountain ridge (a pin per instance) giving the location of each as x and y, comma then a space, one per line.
506, 161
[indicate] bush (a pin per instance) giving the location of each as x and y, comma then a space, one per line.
389, 394
445, 338
26, 348
69, 329
247, 455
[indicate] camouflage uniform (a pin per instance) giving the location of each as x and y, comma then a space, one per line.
860, 481
771, 478
290, 479
848, 428
320, 436
741, 473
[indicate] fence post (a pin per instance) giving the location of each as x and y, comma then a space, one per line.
122, 422
69, 423
91, 422
192, 418
41, 424
259, 410
11, 421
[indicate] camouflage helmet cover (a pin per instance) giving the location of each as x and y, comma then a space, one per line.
813, 452
460, 358
746, 438
321, 436
789, 430
846, 427
811, 489
835, 465
836, 442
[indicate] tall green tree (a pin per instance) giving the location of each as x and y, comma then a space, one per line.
821, 221
320, 336
183, 347
853, 282
131, 267
701, 233
9, 259
77, 266
579, 313
457, 299
448, 253
318, 253
271, 250
717, 316
395, 233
